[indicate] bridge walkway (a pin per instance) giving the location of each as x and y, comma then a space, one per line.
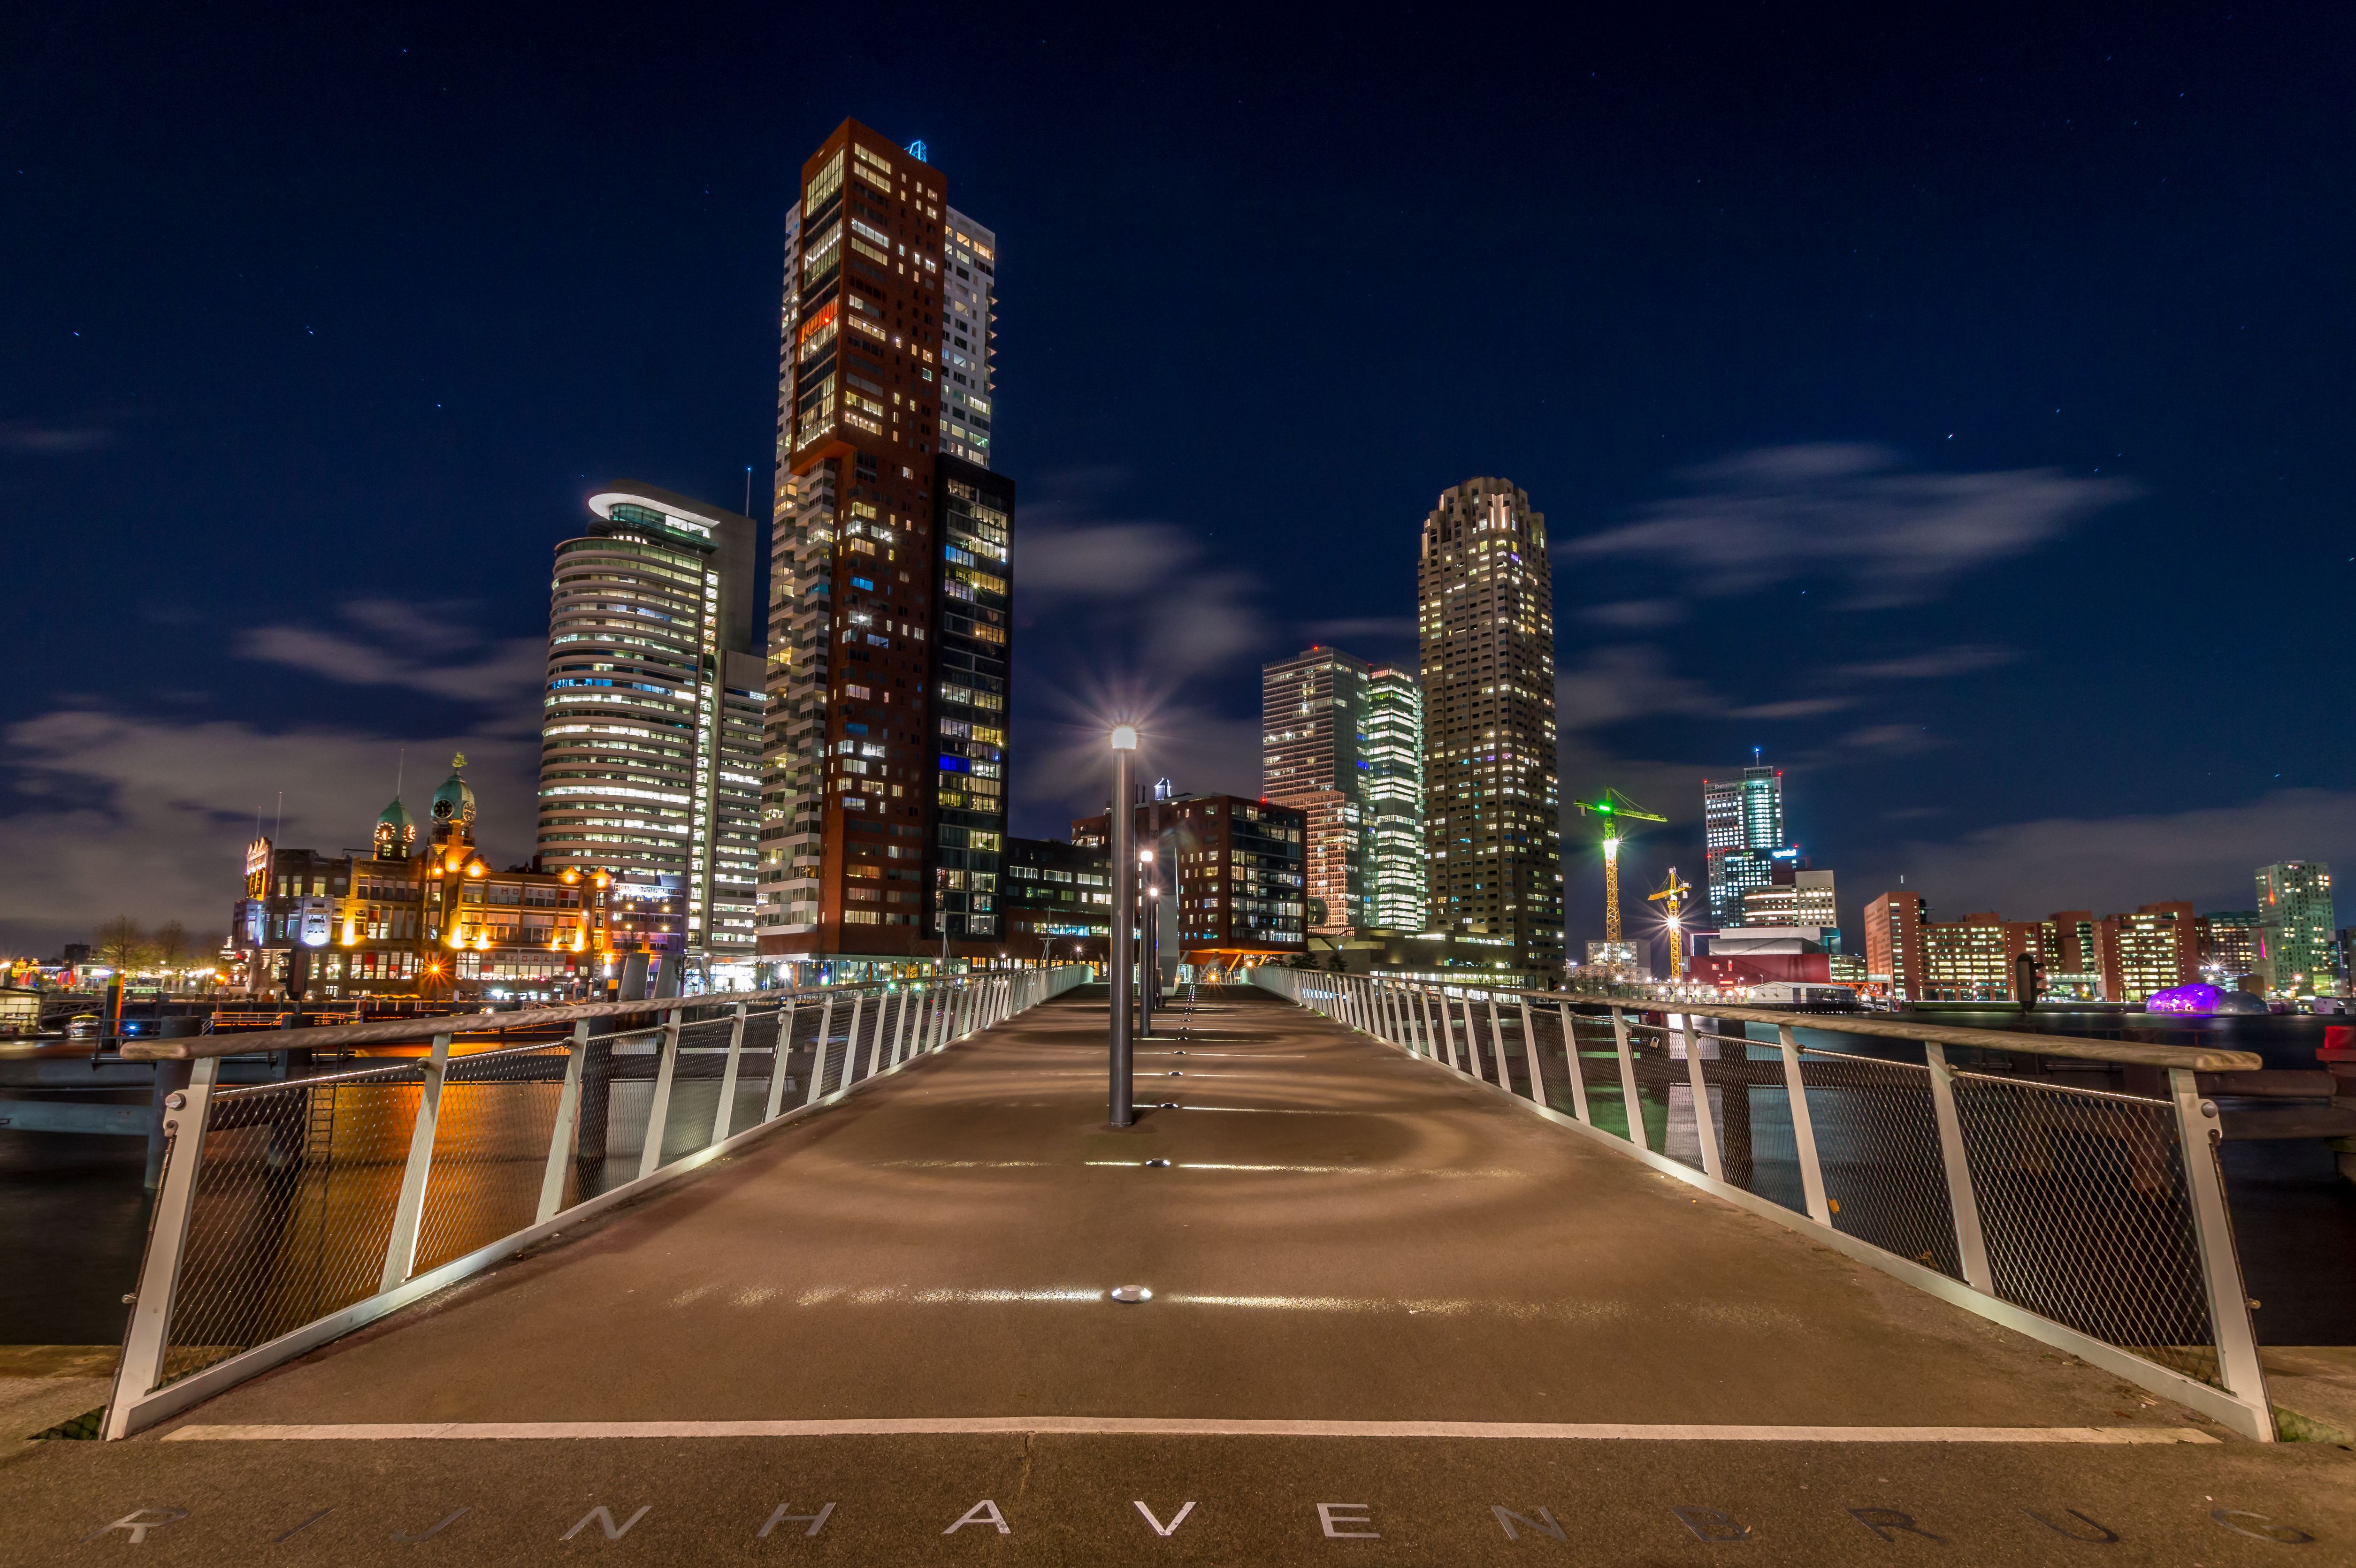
901, 1304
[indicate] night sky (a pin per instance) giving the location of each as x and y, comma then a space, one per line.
1959, 413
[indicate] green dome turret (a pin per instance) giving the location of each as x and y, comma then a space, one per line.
454, 803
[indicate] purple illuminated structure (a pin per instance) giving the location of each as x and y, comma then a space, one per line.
2182, 999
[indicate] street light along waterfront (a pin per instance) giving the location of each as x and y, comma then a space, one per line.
1124, 913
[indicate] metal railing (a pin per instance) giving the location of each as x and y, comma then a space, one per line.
290, 1214
2089, 1214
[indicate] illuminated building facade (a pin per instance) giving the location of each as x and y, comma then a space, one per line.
1236, 866
2298, 951
1393, 750
969, 338
1491, 798
2156, 948
2229, 945
1314, 712
1742, 829
418, 919
1797, 899
1058, 895
1895, 954
650, 734
884, 762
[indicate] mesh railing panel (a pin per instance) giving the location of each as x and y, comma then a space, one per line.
1599, 1069
695, 1086
2084, 1204
2083, 1197
1877, 1142
292, 1212
617, 1100
1759, 1148
491, 1150
292, 1209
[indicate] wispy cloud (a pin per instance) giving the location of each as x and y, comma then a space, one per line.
1633, 615
1127, 618
25, 438
1363, 628
395, 644
1844, 510
121, 815
2027, 870
1626, 680
1936, 663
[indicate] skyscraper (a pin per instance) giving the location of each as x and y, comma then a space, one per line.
1743, 827
969, 287
2299, 947
1492, 806
1394, 758
650, 733
883, 772
1313, 717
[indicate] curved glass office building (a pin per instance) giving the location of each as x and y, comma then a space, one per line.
650, 736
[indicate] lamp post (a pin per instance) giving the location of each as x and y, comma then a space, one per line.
1124, 914
1149, 977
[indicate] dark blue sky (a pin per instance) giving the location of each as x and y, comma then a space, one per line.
1957, 408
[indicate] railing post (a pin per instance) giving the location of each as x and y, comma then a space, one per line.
1713, 1163
147, 1337
944, 1007
964, 1008
777, 1062
2198, 1132
1804, 1130
882, 1027
1430, 1040
817, 1053
1530, 1053
850, 1040
401, 1248
1630, 1102
1570, 1059
1497, 1043
658, 1118
724, 1113
567, 1130
1971, 1246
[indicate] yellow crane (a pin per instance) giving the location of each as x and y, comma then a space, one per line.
1611, 808
1673, 895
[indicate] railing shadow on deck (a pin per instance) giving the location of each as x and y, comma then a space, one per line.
2091, 1218
292, 1213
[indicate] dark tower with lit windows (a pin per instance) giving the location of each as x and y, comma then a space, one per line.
884, 761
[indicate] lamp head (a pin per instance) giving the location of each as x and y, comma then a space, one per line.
1124, 737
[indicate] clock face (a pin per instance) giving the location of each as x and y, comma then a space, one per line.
442, 810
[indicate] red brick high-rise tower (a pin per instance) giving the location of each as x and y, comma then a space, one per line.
883, 764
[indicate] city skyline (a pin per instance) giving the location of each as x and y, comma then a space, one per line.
1892, 499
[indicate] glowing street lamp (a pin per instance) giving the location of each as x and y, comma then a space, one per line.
1124, 916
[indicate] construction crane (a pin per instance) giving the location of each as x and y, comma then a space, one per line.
1673, 895
1611, 808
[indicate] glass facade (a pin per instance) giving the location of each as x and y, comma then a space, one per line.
2299, 947
1492, 803
1394, 758
650, 736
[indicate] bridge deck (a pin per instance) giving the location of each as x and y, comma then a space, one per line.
1344, 1236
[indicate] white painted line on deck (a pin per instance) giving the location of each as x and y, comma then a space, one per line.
1177, 1427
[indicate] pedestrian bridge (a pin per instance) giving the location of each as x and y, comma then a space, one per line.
1413, 1274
